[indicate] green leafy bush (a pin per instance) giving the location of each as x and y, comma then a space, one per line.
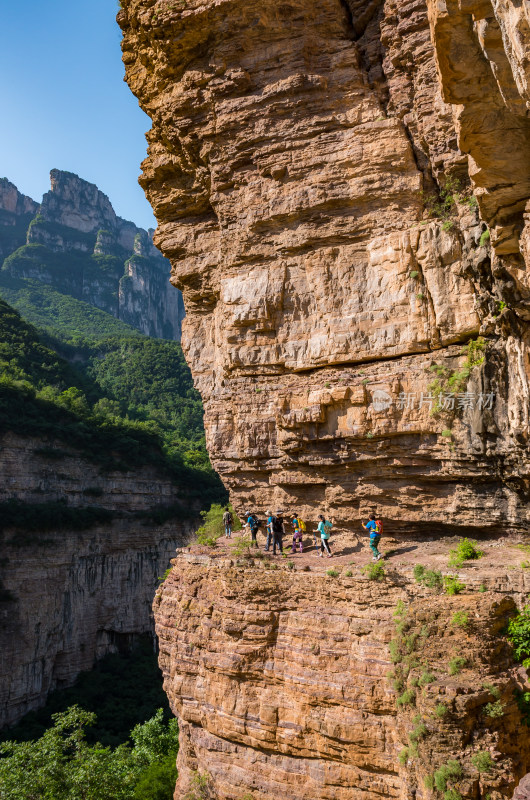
374, 571
449, 772
466, 550
484, 239
519, 636
199, 790
494, 710
456, 665
449, 381
333, 573
431, 578
419, 730
440, 710
403, 756
482, 761
426, 678
62, 764
460, 619
407, 698
453, 585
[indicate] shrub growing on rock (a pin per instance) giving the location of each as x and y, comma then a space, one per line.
456, 665
519, 635
453, 585
451, 771
375, 571
482, 761
407, 698
460, 619
466, 550
494, 710
431, 578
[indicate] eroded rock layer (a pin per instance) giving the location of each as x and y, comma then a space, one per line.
341, 188
283, 684
71, 593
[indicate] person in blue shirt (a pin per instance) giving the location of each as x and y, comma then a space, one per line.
269, 531
375, 536
324, 527
253, 524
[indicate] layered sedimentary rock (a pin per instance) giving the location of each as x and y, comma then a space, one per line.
72, 593
16, 212
341, 188
74, 242
283, 685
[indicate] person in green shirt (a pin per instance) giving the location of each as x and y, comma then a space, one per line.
324, 526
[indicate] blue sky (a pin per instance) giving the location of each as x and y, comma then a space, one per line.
64, 103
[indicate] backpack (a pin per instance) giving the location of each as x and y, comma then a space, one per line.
379, 526
301, 524
255, 522
277, 525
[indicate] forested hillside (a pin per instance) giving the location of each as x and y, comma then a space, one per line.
120, 398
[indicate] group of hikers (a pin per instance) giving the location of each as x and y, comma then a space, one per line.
274, 529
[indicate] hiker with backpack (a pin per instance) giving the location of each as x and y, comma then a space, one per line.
277, 532
324, 526
228, 521
299, 528
254, 525
375, 526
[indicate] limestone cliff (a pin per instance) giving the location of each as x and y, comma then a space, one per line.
300, 684
16, 212
342, 190
72, 592
74, 242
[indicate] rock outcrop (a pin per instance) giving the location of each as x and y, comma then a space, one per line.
74, 242
16, 212
285, 683
341, 188
73, 592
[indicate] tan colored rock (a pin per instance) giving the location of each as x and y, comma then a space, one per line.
280, 683
291, 155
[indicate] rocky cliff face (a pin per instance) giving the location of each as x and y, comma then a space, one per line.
342, 190
285, 683
16, 212
70, 594
74, 242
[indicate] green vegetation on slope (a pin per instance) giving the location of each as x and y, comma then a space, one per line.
83, 405
60, 314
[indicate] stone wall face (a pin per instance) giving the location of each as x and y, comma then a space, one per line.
295, 162
280, 681
68, 597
